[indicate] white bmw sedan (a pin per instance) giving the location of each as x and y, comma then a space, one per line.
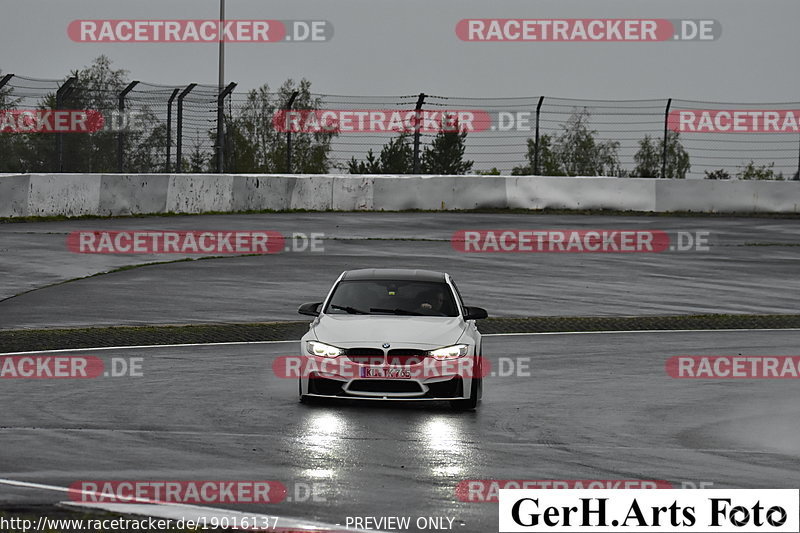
392, 334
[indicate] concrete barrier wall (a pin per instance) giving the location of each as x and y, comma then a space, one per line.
68, 194
125, 194
582, 193
14, 190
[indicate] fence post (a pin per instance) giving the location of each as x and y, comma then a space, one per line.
169, 126
5, 80
120, 130
666, 131
417, 127
179, 142
62, 92
536, 141
221, 126
289, 105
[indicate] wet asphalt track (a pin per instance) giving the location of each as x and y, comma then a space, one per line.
596, 406
752, 266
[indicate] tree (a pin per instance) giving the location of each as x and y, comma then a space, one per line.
198, 161
445, 154
146, 150
255, 145
719, 174
97, 88
491, 172
751, 171
576, 151
396, 157
649, 158
9, 142
548, 161
369, 166
580, 153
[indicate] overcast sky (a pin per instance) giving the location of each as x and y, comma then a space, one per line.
404, 47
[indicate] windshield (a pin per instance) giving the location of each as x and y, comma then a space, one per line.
389, 297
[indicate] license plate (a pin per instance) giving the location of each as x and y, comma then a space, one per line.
385, 373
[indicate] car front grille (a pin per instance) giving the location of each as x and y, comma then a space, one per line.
378, 357
404, 357
384, 385
365, 356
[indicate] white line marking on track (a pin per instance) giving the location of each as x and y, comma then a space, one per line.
245, 343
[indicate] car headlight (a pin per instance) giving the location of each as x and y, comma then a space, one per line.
321, 349
449, 352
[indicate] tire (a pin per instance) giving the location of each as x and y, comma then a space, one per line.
471, 402
303, 399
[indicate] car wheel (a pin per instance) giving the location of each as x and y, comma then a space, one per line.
303, 399
471, 402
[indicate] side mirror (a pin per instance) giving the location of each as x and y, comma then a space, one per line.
475, 313
311, 309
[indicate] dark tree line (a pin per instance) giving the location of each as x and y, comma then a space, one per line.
252, 143
444, 155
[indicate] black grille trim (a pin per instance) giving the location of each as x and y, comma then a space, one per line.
406, 357
366, 356
384, 385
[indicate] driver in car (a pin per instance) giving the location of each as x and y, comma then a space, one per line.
432, 303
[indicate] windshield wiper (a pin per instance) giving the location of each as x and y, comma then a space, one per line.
349, 310
397, 311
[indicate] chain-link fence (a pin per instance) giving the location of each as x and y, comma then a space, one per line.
161, 128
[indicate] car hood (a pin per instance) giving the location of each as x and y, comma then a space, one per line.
348, 331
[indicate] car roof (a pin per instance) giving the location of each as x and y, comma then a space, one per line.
404, 274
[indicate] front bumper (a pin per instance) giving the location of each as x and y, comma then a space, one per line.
425, 380
443, 388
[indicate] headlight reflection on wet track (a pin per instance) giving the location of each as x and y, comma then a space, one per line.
321, 444
443, 447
